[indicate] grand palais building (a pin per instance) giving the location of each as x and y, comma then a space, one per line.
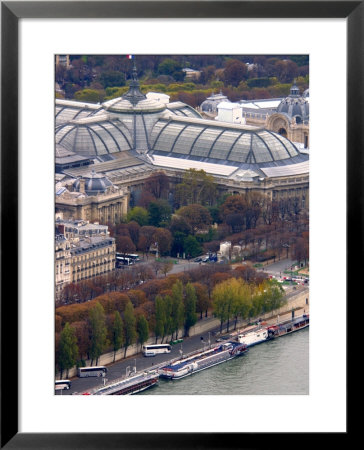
105, 152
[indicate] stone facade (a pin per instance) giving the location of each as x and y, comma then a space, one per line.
110, 206
62, 262
83, 250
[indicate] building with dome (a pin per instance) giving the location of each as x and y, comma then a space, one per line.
124, 140
292, 117
286, 116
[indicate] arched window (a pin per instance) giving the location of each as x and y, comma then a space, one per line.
282, 132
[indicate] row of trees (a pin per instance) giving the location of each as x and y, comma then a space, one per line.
99, 332
99, 78
117, 320
234, 298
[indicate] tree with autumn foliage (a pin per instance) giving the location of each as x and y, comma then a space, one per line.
197, 216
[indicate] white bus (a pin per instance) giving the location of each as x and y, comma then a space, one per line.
62, 384
133, 256
152, 350
122, 261
96, 371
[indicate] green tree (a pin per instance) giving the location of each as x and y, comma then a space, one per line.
269, 296
98, 332
117, 333
160, 213
89, 95
171, 67
139, 215
142, 329
112, 78
177, 313
168, 326
190, 307
228, 298
160, 318
219, 303
192, 247
129, 326
68, 350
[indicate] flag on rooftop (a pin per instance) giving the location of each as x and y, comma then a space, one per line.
130, 56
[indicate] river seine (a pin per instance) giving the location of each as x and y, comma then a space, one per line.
280, 367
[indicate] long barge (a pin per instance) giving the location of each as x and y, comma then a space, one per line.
131, 385
202, 360
266, 333
289, 326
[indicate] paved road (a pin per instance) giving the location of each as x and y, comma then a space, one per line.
119, 369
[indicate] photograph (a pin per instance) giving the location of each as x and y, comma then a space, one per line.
181, 224
171, 218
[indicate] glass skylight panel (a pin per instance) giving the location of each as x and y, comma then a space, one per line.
84, 141
260, 150
223, 144
186, 139
241, 148
109, 143
167, 137
204, 143
155, 132
62, 131
275, 145
291, 149
67, 140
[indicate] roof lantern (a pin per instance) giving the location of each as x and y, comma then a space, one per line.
134, 94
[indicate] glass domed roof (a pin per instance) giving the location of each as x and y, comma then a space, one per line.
94, 136
222, 143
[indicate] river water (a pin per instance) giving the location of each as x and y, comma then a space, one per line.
280, 367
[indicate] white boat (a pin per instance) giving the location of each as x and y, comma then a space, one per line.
131, 385
202, 360
253, 337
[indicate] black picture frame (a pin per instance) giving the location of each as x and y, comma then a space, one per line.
11, 12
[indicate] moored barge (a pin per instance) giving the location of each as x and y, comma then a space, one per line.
289, 326
202, 360
131, 385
